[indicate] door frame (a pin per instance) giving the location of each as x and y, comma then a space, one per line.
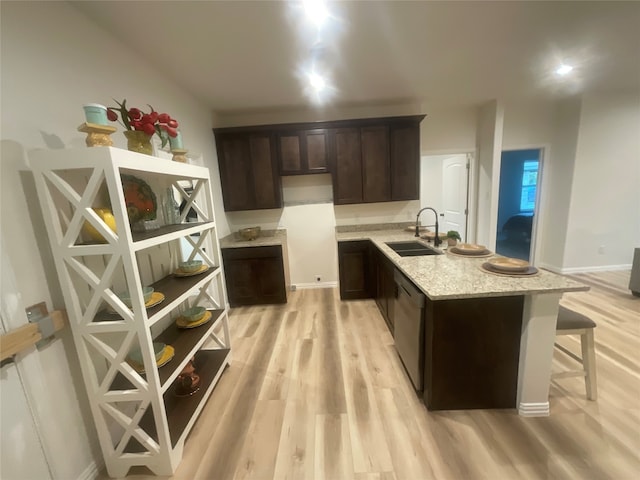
536, 227
472, 184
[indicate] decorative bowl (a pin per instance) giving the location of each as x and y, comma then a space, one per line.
190, 266
135, 355
250, 233
194, 314
126, 298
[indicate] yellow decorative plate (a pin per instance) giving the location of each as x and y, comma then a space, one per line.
156, 298
507, 264
167, 355
182, 322
180, 273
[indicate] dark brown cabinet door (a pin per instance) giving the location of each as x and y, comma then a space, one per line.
235, 173
254, 275
376, 186
405, 161
303, 152
385, 293
317, 150
347, 168
355, 270
265, 178
248, 171
290, 153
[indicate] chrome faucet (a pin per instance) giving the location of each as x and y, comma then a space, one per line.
436, 240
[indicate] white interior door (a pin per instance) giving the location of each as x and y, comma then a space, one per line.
21, 456
454, 194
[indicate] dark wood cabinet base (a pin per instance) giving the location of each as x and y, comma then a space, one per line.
254, 275
472, 349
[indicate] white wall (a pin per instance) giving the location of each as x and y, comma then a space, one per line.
431, 181
527, 124
53, 61
489, 149
556, 183
604, 215
448, 130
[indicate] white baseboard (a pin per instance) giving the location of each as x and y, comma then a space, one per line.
540, 409
604, 268
316, 285
91, 472
551, 268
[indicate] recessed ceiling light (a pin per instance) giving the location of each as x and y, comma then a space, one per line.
316, 11
317, 82
564, 69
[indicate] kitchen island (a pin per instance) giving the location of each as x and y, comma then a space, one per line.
488, 339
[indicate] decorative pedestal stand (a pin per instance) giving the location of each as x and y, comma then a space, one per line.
97, 135
179, 155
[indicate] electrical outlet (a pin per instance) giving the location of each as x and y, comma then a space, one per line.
601, 250
318, 278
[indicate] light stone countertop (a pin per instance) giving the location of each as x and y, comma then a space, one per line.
443, 277
267, 238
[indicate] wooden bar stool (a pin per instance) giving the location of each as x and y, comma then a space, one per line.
574, 323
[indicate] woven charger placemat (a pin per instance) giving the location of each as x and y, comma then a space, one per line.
530, 272
483, 255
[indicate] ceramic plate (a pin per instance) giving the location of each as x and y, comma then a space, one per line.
182, 322
529, 272
167, 355
470, 249
180, 273
156, 298
505, 264
136, 355
454, 252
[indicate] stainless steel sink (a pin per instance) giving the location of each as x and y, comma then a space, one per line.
412, 249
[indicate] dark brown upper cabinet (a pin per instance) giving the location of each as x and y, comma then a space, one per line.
303, 151
347, 166
248, 171
405, 161
378, 160
371, 160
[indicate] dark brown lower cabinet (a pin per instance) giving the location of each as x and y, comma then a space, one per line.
254, 275
355, 266
471, 352
385, 288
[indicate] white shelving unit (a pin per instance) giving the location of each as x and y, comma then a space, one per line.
139, 417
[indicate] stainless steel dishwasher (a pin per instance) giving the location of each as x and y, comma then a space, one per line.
409, 328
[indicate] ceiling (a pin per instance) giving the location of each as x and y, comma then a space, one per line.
243, 55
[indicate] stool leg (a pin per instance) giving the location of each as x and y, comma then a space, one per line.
589, 362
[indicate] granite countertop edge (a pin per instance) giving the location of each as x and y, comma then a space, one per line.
267, 238
449, 277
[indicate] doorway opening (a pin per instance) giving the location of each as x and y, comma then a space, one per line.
518, 202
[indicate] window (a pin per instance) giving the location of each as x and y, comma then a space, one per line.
529, 184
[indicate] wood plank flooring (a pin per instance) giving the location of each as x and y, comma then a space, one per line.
317, 391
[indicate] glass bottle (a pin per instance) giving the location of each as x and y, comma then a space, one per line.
171, 208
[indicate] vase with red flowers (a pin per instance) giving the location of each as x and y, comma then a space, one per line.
140, 126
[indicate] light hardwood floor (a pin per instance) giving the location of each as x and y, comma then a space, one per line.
316, 391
